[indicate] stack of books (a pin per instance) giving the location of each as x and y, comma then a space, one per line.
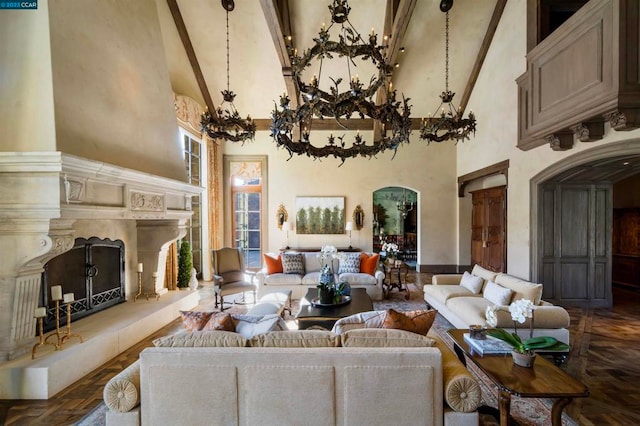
488, 346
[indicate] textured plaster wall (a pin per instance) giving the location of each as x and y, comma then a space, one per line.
111, 86
26, 91
494, 100
428, 170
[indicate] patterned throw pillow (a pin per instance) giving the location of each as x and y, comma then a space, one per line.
220, 321
415, 321
349, 263
194, 320
293, 263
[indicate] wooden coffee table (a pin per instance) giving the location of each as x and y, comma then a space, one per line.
326, 317
543, 380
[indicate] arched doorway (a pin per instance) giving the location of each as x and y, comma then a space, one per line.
572, 229
395, 220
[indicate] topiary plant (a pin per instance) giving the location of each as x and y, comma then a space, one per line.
185, 264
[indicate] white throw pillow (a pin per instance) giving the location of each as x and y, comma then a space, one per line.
472, 283
252, 325
497, 294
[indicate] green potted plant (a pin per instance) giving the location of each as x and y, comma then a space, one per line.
185, 264
523, 350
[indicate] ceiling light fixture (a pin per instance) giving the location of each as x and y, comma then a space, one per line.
226, 123
447, 123
392, 116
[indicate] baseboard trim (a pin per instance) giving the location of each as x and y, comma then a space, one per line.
439, 269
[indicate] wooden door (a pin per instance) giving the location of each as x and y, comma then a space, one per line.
488, 228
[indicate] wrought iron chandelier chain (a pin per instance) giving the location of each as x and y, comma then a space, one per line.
228, 50
446, 52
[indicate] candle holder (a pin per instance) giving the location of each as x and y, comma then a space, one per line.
42, 340
56, 333
68, 334
155, 292
139, 287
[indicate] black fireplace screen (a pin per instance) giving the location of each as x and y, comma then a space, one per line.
93, 270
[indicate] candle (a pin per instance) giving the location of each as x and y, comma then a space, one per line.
68, 298
40, 312
154, 275
56, 292
140, 267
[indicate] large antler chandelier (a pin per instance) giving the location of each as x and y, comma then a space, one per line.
391, 115
447, 123
225, 122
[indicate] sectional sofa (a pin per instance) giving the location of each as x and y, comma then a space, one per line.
463, 305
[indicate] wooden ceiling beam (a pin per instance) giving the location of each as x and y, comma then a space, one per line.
482, 53
191, 54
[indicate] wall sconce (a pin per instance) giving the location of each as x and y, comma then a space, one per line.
281, 216
287, 226
349, 227
358, 217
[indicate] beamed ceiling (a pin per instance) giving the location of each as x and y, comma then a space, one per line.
194, 36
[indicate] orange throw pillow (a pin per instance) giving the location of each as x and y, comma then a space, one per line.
369, 264
274, 266
415, 321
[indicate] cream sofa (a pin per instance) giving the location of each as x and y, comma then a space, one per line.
299, 284
280, 383
462, 307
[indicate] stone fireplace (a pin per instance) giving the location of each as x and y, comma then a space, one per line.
52, 199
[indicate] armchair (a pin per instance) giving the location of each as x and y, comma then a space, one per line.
229, 274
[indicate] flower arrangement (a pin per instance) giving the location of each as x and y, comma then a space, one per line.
521, 310
327, 253
391, 249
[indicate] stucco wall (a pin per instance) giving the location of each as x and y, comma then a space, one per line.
26, 91
494, 100
112, 93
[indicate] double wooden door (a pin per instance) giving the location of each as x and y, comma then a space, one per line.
489, 228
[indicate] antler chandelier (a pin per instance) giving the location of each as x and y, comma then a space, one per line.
447, 122
391, 115
226, 122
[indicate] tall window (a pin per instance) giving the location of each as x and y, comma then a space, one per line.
246, 206
193, 162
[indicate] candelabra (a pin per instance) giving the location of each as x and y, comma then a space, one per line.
57, 333
39, 315
155, 293
68, 334
139, 293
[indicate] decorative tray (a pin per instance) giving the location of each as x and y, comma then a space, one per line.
343, 301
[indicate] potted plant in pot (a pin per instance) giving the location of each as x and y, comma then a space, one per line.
523, 350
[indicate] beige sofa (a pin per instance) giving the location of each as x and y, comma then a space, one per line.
462, 307
280, 383
300, 283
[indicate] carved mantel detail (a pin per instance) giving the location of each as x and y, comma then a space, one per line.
560, 141
146, 202
589, 131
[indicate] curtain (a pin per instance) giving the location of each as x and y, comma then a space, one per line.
171, 268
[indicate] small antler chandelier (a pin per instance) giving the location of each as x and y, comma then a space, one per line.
226, 122
392, 116
447, 122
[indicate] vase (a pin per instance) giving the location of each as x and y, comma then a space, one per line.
523, 360
326, 296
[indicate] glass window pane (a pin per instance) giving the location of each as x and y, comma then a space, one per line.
254, 201
254, 239
254, 221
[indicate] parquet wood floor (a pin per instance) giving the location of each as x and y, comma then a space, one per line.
604, 355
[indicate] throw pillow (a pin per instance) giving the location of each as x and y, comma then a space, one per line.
369, 319
201, 339
369, 263
497, 294
220, 321
252, 325
472, 283
349, 263
194, 320
274, 266
296, 339
384, 338
293, 263
415, 321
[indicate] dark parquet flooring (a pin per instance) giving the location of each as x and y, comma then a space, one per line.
605, 355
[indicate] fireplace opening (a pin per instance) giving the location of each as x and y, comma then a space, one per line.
93, 270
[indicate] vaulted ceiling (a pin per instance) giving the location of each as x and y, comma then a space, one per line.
194, 36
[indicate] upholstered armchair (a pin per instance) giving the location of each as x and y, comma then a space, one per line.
230, 276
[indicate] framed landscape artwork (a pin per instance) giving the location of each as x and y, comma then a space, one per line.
320, 215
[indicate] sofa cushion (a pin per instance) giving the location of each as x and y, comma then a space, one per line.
201, 339
442, 293
349, 263
485, 274
369, 263
283, 279
296, 339
274, 265
220, 321
252, 325
293, 263
521, 289
472, 283
384, 338
357, 279
415, 321
470, 310
194, 320
369, 319
497, 294
543, 317
311, 278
